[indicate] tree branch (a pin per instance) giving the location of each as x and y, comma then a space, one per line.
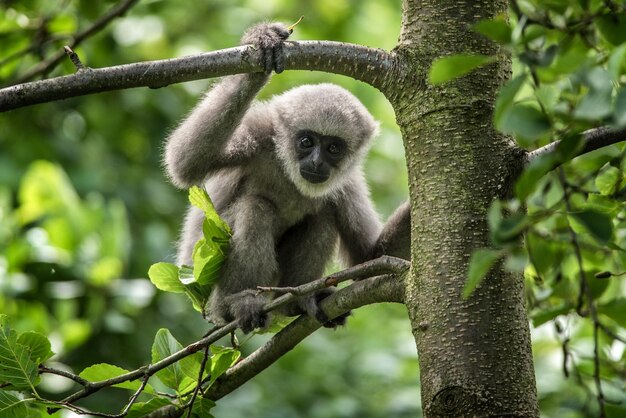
384, 288
47, 65
373, 66
593, 139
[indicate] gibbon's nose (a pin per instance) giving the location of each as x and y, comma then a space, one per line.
316, 158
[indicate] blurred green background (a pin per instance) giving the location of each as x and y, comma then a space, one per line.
85, 209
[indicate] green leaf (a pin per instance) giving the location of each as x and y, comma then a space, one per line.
182, 375
616, 62
448, 68
38, 345
525, 122
532, 174
480, 263
506, 97
509, 229
608, 180
602, 203
616, 310
222, 359
16, 366
611, 27
104, 371
207, 261
541, 316
11, 406
597, 224
619, 113
202, 407
165, 277
199, 198
141, 409
497, 29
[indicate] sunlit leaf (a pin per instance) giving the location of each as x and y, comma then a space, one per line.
222, 358
448, 68
165, 277
182, 375
11, 406
38, 345
16, 365
497, 29
596, 223
103, 371
608, 180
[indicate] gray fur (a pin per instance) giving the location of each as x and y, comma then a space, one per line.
285, 229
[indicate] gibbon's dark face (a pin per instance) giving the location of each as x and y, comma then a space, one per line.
318, 155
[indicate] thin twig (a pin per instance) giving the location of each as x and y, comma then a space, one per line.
74, 58
46, 66
199, 384
71, 376
585, 292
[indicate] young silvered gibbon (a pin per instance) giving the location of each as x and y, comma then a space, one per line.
285, 174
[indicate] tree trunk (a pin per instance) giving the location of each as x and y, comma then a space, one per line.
475, 354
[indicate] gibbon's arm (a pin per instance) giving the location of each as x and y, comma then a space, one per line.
208, 139
204, 141
358, 223
395, 238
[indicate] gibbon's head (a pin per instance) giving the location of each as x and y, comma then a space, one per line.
322, 135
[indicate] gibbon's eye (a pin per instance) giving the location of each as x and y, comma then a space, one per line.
334, 149
306, 142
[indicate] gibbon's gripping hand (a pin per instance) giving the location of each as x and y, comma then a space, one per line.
247, 308
269, 38
310, 304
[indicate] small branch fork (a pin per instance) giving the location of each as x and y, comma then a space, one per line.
379, 270
593, 139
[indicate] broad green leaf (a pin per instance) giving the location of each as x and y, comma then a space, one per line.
616, 62
222, 359
11, 406
596, 223
619, 114
596, 104
199, 198
448, 68
609, 180
202, 407
544, 254
525, 122
611, 27
541, 316
497, 29
16, 365
506, 97
104, 371
532, 174
602, 203
165, 277
207, 261
38, 345
616, 310
480, 263
182, 375
141, 409
509, 229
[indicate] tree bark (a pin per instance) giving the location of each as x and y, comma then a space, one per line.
475, 354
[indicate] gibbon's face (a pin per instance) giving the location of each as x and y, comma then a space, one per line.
318, 155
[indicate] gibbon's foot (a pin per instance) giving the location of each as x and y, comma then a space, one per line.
247, 309
310, 304
269, 38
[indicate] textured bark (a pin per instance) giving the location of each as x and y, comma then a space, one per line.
475, 355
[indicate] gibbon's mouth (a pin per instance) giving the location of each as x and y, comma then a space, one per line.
313, 177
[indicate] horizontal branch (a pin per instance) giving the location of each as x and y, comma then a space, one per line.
593, 139
376, 267
384, 288
373, 66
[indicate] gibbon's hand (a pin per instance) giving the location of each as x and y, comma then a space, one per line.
269, 38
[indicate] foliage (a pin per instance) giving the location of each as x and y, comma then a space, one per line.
564, 227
